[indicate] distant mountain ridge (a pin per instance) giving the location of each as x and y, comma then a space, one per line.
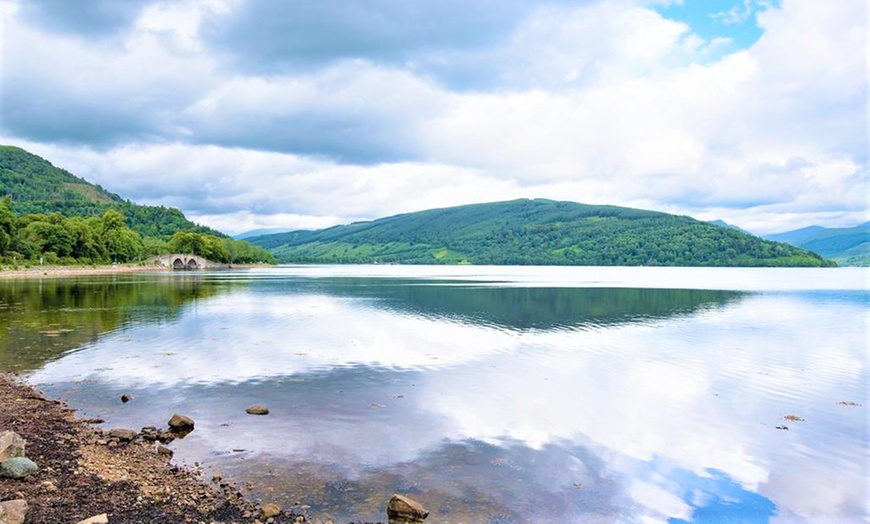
261, 232
36, 186
848, 246
535, 232
722, 223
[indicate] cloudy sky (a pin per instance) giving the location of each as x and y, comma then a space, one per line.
302, 114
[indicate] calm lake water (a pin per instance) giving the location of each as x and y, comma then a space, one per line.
491, 395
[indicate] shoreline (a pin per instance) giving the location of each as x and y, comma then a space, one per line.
73, 271
117, 269
86, 472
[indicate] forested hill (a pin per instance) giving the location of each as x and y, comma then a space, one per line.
34, 185
49, 216
537, 231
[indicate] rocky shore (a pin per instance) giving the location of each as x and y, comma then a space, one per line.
56, 469
117, 477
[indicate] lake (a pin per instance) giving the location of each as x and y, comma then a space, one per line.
492, 395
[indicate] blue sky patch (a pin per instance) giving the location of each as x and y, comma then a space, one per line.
731, 19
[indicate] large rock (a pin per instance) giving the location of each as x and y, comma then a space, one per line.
270, 510
11, 445
402, 510
181, 423
124, 435
257, 409
17, 467
13, 511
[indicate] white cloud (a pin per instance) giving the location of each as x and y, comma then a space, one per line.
600, 102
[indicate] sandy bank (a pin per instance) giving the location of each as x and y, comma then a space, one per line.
73, 271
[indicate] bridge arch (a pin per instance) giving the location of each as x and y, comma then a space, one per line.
179, 264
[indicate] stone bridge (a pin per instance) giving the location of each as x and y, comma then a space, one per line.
181, 261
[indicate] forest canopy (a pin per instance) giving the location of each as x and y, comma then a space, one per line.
51, 238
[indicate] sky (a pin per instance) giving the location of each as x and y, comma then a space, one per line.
252, 114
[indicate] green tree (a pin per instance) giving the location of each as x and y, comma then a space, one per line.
122, 243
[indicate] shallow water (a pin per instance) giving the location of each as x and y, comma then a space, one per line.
492, 395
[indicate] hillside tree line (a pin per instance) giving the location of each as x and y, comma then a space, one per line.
53, 238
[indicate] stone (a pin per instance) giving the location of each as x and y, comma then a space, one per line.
126, 397
149, 434
402, 509
11, 445
13, 511
122, 434
181, 422
270, 510
257, 409
163, 450
17, 467
102, 518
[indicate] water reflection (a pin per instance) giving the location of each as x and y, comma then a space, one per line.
43, 318
517, 308
562, 407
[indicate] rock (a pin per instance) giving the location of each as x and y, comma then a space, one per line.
163, 450
181, 423
257, 409
124, 435
401, 509
11, 445
270, 510
126, 397
13, 511
17, 467
102, 518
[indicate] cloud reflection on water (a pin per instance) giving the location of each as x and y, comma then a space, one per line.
657, 416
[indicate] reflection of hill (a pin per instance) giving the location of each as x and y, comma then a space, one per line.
41, 319
523, 307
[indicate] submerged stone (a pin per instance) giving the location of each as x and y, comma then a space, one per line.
257, 409
270, 510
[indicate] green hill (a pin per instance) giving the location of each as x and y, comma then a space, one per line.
848, 246
544, 232
36, 186
48, 215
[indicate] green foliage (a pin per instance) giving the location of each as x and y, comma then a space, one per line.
48, 215
55, 239
224, 250
539, 232
37, 187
